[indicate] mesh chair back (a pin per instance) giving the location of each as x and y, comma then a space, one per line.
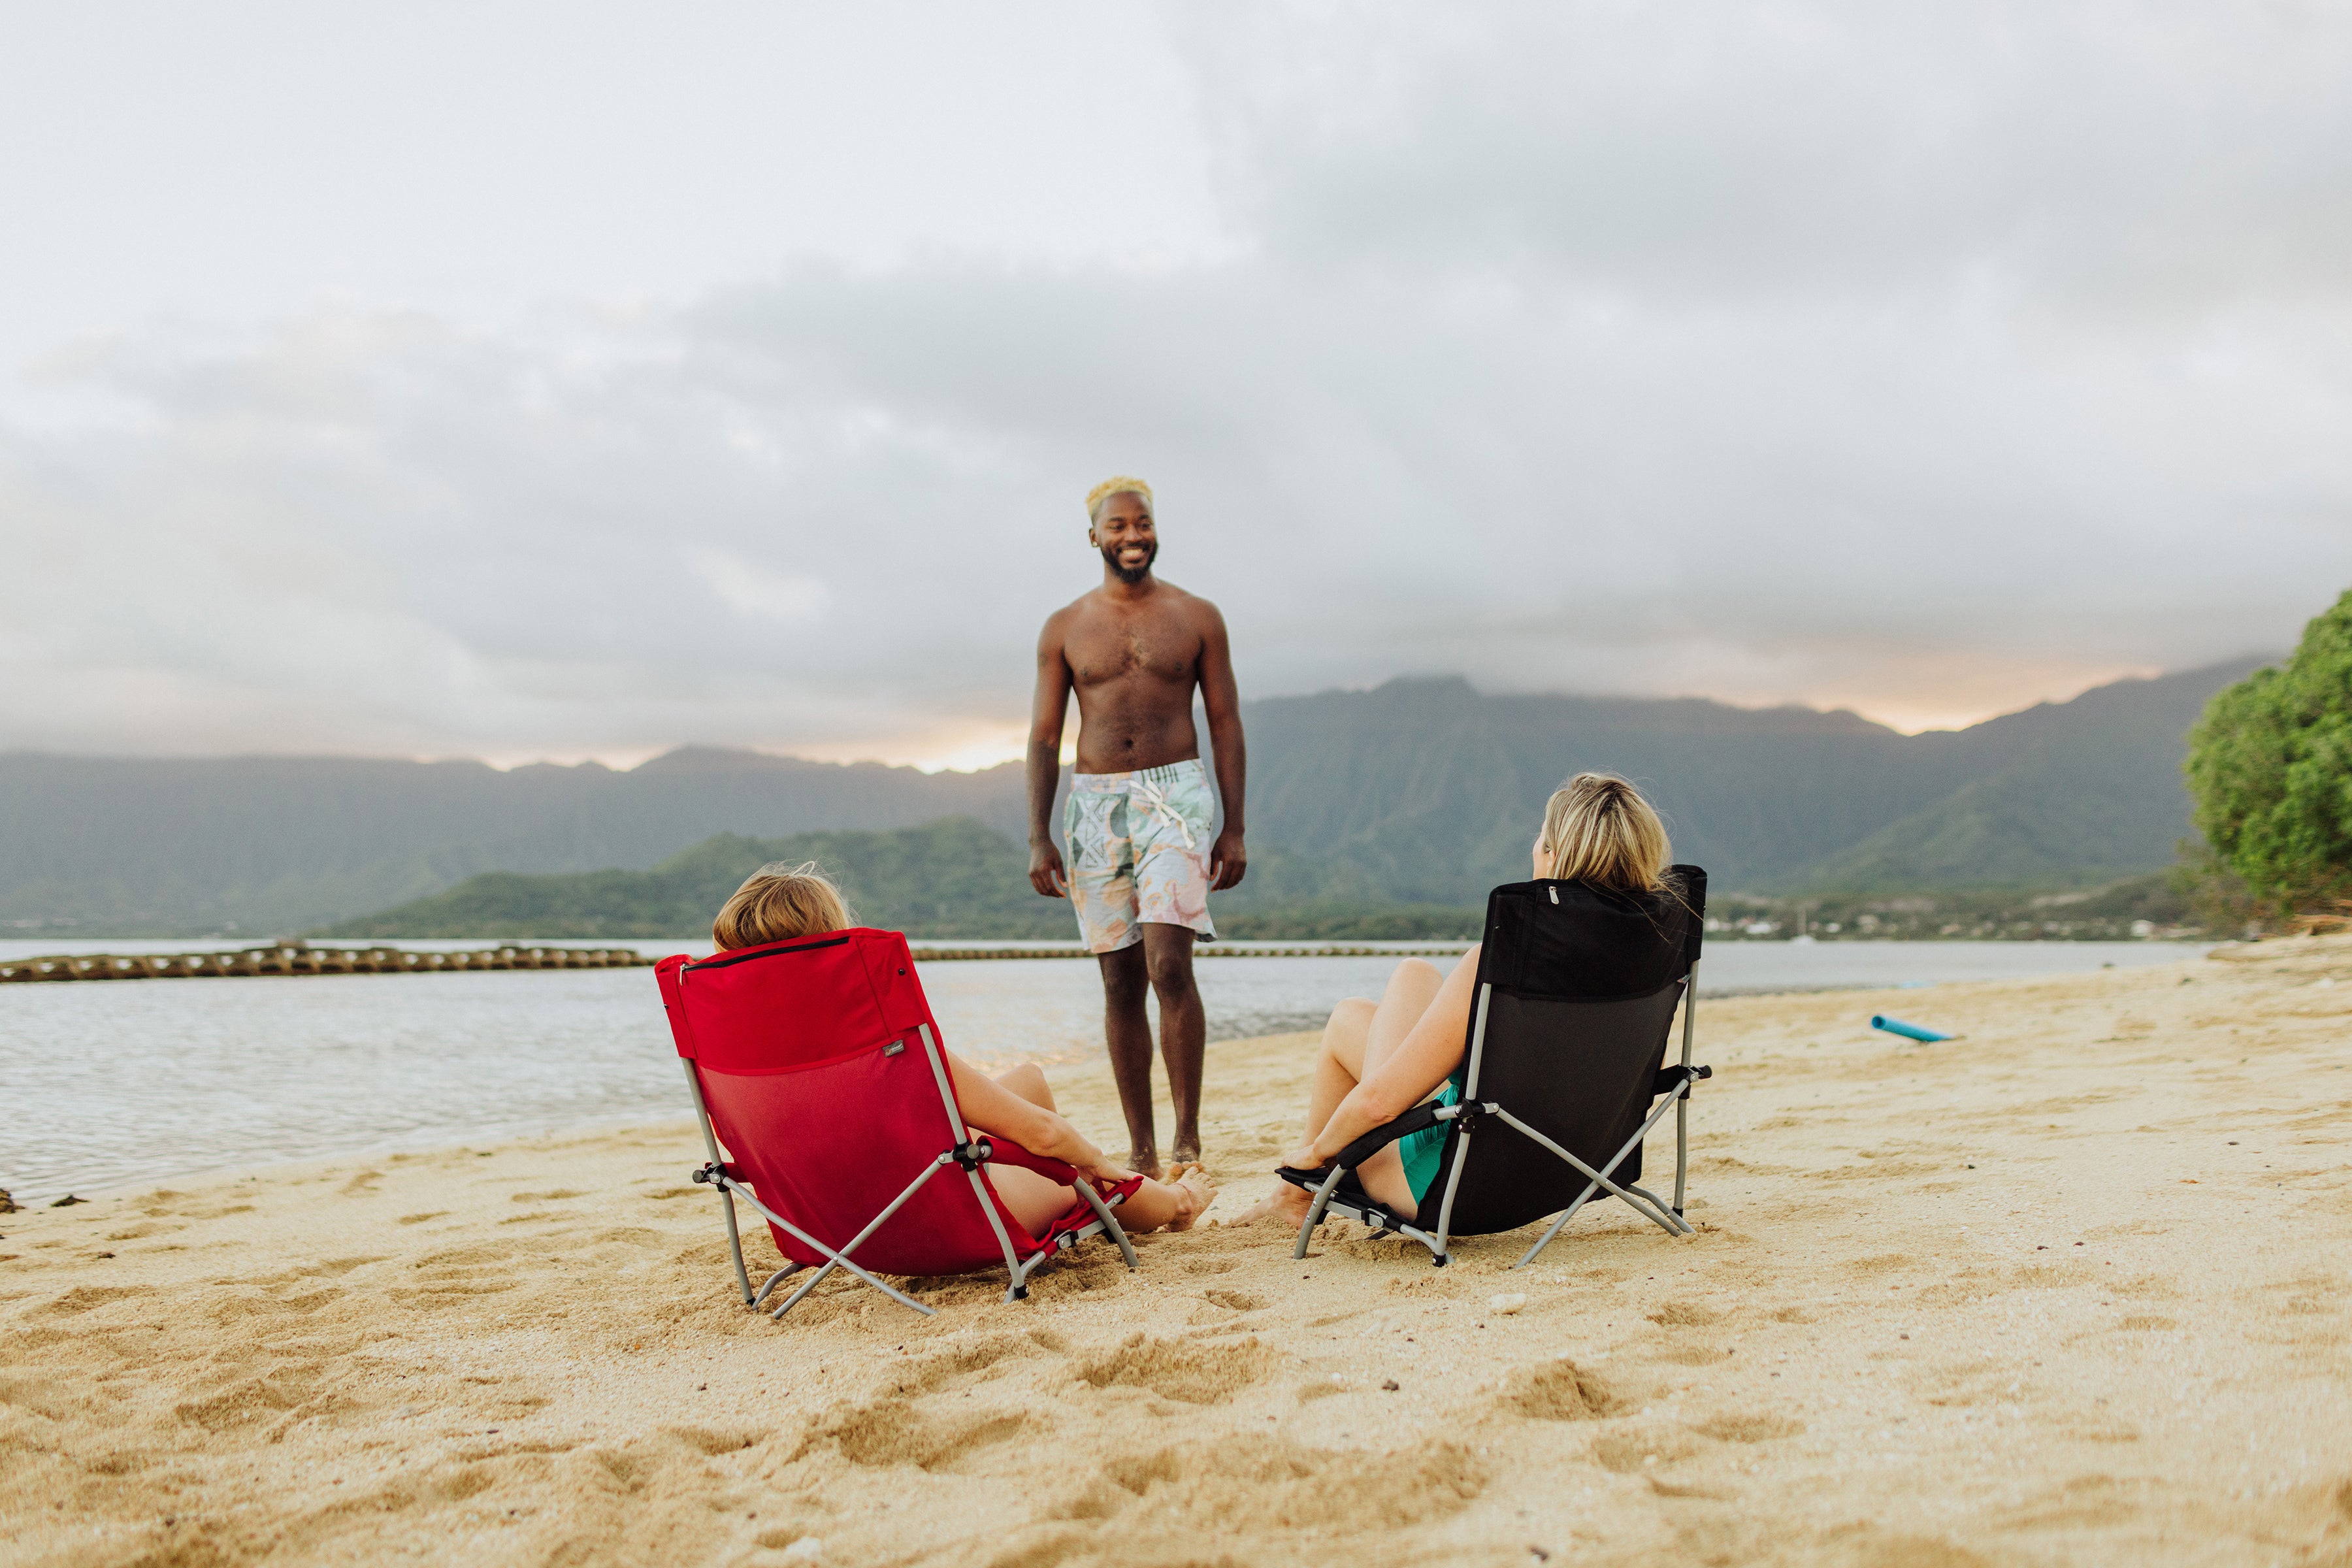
1585, 986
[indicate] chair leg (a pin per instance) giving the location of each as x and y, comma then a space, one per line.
726, 1198
1111, 1226
1680, 1227
1641, 1202
1439, 1257
841, 1259
1560, 1225
1315, 1210
735, 1246
778, 1278
1682, 1149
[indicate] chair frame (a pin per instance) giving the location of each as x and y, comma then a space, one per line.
1333, 1194
972, 1154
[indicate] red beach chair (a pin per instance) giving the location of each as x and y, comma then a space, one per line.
816, 1066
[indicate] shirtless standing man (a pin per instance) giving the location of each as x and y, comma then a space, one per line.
1138, 821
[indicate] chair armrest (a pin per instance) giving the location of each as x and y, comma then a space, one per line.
1379, 1138
1005, 1152
1670, 1079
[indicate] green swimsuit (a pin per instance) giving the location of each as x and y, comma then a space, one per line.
1420, 1151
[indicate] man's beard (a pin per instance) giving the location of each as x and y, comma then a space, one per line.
1132, 575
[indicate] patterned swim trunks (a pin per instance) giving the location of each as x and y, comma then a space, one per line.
1138, 852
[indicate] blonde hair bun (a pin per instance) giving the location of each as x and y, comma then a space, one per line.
778, 902
1600, 831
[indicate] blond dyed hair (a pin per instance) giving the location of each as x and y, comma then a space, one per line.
1123, 484
778, 902
1600, 831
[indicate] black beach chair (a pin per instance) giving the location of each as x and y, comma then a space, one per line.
1577, 992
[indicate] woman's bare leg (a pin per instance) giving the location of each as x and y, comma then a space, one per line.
1038, 1201
1028, 1082
1174, 1205
1339, 1061
1359, 1036
1411, 990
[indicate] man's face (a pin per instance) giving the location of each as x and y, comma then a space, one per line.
1123, 535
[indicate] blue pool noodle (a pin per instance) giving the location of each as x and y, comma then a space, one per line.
1909, 1031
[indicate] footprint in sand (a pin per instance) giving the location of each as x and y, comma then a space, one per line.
892, 1430
1268, 1499
1754, 1428
1174, 1369
1685, 1315
1561, 1391
1626, 1452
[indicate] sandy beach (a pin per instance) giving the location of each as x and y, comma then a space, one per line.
2068, 1290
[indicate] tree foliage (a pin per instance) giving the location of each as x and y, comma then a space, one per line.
2269, 767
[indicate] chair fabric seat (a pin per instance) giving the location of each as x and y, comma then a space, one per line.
818, 1069
1576, 997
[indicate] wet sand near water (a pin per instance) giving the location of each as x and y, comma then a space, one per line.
2071, 1289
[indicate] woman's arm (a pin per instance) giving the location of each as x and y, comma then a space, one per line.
1406, 1076
992, 1107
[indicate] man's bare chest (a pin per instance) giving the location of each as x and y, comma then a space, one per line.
1102, 649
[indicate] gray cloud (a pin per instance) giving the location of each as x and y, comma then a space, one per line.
1832, 353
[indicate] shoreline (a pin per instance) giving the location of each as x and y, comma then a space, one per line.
35, 1195
2066, 1290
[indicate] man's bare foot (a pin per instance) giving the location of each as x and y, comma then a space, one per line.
1198, 1194
1187, 1152
1144, 1163
1285, 1203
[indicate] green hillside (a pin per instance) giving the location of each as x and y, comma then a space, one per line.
2067, 805
954, 877
950, 877
1415, 795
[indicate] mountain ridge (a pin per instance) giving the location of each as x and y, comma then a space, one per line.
1419, 792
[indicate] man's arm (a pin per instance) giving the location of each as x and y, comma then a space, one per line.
1227, 858
1051, 706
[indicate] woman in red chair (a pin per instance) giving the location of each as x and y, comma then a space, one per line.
777, 903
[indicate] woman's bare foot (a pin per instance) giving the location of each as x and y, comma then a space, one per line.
1198, 1194
1285, 1203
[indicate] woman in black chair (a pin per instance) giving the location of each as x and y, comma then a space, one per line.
1381, 1059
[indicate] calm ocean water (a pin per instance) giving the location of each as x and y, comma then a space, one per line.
110, 1085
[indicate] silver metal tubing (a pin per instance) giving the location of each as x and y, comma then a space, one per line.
1461, 1151
939, 1076
979, 1189
841, 1259
1559, 1225
996, 1224
1663, 1219
1682, 1106
726, 1199
814, 1245
1111, 1227
1315, 1210
775, 1280
1656, 1202
1677, 1226
1436, 1248
1478, 1042
1363, 1216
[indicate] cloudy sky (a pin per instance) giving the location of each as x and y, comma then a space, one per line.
578, 380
